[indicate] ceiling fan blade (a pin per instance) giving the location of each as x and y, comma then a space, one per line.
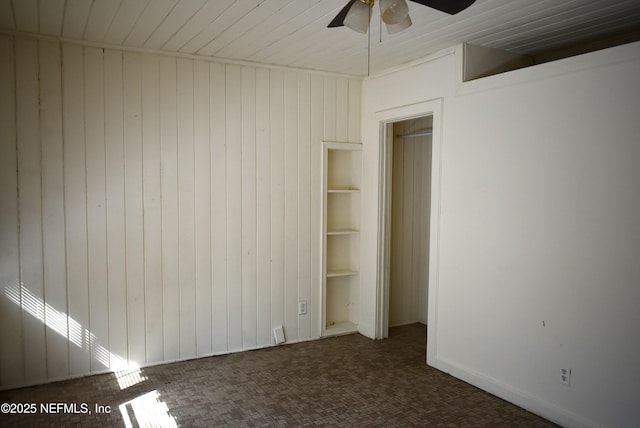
338, 21
449, 6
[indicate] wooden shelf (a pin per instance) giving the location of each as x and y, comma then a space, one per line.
343, 232
341, 242
346, 190
341, 272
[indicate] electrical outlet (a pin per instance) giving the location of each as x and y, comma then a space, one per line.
302, 307
565, 376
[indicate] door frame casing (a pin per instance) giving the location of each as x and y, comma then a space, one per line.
386, 119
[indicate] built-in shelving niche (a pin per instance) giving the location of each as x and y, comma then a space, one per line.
341, 237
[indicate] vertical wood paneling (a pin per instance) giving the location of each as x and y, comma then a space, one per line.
406, 217
234, 206
114, 158
169, 190
96, 209
304, 200
276, 91
395, 280
181, 192
152, 205
186, 206
134, 231
217, 99
417, 243
425, 197
317, 130
202, 207
355, 92
263, 208
422, 215
291, 204
425, 216
30, 206
75, 208
330, 107
11, 344
342, 110
53, 240
249, 215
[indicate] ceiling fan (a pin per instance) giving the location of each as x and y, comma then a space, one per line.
394, 13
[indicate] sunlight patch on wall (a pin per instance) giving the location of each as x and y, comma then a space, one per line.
65, 326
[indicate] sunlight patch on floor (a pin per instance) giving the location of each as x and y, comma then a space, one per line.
127, 378
147, 410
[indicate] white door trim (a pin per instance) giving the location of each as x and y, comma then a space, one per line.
386, 118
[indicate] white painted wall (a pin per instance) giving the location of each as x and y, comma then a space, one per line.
163, 208
539, 234
406, 91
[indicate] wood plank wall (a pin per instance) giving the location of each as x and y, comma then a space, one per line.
156, 208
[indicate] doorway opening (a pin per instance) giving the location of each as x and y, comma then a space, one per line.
409, 219
409, 228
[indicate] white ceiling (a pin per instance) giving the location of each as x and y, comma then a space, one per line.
293, 32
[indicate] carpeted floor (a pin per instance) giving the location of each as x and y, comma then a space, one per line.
343, 381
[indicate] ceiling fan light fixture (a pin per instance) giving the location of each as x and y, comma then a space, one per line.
400, 26
394, 11
359, 16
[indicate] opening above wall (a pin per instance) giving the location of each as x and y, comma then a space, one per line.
481, 61
587, 45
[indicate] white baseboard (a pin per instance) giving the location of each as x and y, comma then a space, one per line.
520, 398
